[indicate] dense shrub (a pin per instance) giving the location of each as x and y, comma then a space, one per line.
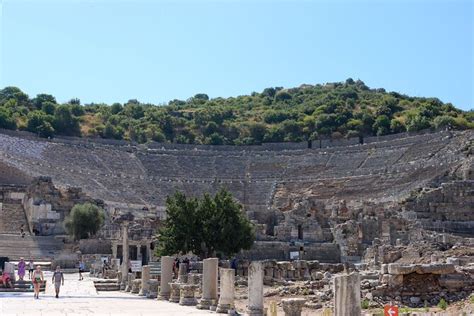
344, 109
84, 220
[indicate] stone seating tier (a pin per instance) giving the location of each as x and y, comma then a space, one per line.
40, 248
140, 175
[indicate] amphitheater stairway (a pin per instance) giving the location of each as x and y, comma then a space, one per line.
23, 286
12, 216
39, 248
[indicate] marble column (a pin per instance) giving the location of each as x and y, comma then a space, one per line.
293, 306
125, 252
166, 277
130, 279
145, 279
346, 289
256, 272
226, 298
183, 273
209, 283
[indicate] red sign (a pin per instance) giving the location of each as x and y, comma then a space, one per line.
389, 310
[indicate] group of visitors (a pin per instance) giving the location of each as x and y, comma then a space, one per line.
22, 265
177, 262
37, 277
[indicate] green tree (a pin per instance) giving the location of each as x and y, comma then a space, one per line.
84, 220
6, 119
14, 93
205, 226
48, 107
116, 108
397, 126
65, 122
444, 121
40, 123
382, 125
257, 131
41, 99
417, 123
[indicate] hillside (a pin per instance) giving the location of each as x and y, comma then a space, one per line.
342, 109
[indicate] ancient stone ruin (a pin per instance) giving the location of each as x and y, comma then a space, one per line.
396, 210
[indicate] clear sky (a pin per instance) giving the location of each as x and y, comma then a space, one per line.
155, 51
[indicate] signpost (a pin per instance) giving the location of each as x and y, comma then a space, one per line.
390, 310
136, 265
294, 255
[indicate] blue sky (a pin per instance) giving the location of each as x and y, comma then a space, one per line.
155, 51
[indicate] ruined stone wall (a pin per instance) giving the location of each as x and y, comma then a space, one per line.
47, 206
447, 208
343, 195
12, 214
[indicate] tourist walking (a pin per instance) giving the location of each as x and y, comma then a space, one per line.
58, 280
38, 279
31, 268
82, 268
21, 269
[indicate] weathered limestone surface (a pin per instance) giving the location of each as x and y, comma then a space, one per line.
293, 306
333, 199
136, 284
175, 292
145, 287
227, 291
209, 283
255, 306
187, 295
183, 273
130, 280
346, 291
124, 256
437, 268
166, 277
153, 288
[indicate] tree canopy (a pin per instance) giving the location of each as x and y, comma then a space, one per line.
205, 226
84, 220
340, 109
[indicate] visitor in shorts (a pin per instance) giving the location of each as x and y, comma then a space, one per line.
58, 279
31, 268
82, 268
38, 279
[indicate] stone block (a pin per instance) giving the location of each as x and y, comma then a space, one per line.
346, 289
293, 306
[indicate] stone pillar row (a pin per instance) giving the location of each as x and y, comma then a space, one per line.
182, 292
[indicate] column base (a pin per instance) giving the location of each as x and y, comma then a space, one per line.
223, 308
164, 296
255, 312
174, 299
188, 301
205, 303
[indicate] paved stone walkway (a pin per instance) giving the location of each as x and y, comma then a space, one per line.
79, 298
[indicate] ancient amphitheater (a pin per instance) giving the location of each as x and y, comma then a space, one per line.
328, 200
